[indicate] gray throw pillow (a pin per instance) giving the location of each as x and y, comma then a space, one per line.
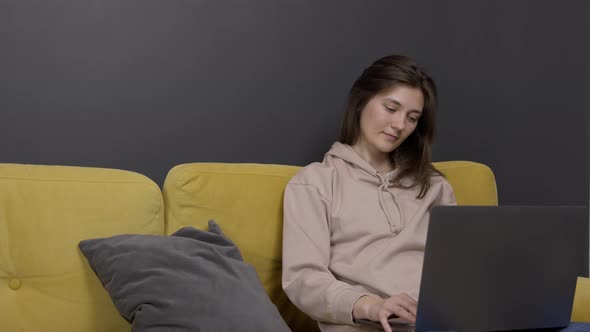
193, 280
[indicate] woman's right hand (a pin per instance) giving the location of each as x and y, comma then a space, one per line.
377, 309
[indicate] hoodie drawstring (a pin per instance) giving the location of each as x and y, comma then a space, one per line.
384, 188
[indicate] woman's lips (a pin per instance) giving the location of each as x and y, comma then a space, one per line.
390, 137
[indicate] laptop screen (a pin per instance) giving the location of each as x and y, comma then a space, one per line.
501, 268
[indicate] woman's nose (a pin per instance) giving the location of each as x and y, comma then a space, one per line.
398, 121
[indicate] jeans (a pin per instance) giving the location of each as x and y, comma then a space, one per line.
577, 327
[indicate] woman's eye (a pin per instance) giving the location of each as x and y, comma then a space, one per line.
413, 119
390, 109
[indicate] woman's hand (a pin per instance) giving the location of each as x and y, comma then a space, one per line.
378, 309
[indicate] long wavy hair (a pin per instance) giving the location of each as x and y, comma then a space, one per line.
413, 157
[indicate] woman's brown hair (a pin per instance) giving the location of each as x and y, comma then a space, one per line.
413, 157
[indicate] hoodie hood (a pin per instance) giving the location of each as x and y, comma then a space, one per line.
349, 155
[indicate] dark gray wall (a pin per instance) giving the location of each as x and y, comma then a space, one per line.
144, 85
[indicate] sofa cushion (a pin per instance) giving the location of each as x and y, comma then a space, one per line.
193, 280
247, 200
581, 306
45, 282
473, 183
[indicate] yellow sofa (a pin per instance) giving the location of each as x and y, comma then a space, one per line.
46, 284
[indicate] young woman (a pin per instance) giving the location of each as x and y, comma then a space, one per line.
355, 224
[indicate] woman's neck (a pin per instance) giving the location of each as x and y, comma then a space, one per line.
380, 161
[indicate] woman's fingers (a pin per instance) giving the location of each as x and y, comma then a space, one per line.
400, 305
383, 319
409, 303
405, 314
403, 306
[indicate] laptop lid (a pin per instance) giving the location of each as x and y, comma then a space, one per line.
501, 268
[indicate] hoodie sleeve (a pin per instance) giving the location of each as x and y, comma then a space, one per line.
306, 279
447, 195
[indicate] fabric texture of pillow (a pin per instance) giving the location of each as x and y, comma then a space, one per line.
193, 280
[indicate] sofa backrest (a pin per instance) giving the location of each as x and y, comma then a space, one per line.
45, 282
246, 201
473, 183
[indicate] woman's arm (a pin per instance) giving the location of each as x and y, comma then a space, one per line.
306, 256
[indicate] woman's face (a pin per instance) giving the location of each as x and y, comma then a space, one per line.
389, 118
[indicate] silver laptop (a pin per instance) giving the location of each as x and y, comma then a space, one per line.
504, 268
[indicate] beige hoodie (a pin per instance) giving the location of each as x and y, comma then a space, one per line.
348, 233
